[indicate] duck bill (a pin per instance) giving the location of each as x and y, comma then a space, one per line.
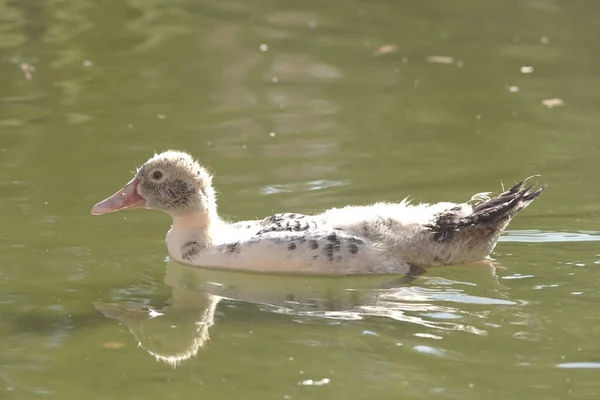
125, 199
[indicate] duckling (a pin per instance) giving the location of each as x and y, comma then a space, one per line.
378, 238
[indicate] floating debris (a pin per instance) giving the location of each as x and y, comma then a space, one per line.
385, 49
551, 103
113, 345
526, 69
310, 382
28, 70
440, 60
263, 47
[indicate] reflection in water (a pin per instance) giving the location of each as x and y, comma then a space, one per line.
171, 335
179, 330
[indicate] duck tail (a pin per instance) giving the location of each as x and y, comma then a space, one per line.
489, 216
503, 207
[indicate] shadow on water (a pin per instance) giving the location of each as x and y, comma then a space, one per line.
179, 329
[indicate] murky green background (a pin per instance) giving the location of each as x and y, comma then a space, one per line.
296, 106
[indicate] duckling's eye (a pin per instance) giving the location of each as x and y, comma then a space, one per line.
156, 175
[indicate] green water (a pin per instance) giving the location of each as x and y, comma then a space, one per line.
296, 106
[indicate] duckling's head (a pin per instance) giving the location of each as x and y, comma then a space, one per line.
171, 182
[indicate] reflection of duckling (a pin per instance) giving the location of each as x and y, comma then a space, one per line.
380, 238
179, 331
171, 335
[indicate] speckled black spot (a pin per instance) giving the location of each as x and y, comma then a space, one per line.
292, 246
334, 238
352, 248
365, 227
190, 249
232, 247
328, 251
313, 244
356, 240
315, 256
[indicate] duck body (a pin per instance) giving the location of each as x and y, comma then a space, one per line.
379, 238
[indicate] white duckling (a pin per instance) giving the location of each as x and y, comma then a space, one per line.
379, 238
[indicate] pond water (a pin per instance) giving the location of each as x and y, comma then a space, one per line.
297, 106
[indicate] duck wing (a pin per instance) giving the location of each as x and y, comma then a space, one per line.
290, 222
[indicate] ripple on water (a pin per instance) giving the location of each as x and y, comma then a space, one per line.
302, 186
449, 295
537, 236
579, 365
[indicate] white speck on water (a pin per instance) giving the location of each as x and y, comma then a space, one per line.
154, 313
272, 134
576, 293
88, 63
538, 287
286, 397
45, 202
404, 60
263, 47
545, 40
291, 359
371, 333
274, 79
244, 147
471, 385
428, 336
526, 69
161, 116
310, 382
517, 276
312, 24
478, 116
460, 63
513, 89
430, 350
130, 126
301, 372
209, 143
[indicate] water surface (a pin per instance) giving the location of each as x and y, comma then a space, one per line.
296, 106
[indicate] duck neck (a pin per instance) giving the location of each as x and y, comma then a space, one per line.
199, 225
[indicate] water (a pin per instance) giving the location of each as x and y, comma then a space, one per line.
296, 106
